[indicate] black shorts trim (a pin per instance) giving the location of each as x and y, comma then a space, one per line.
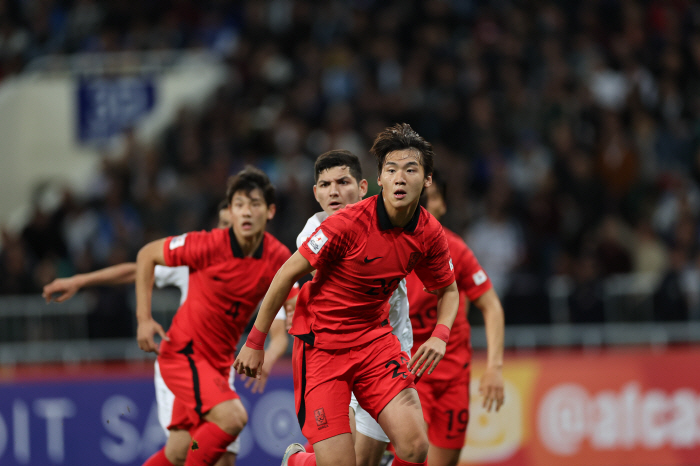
301, 414
188, 351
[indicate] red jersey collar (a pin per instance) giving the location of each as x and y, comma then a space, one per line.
236, 248
385, 221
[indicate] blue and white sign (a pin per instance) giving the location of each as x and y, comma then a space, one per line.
115, 422
107, 106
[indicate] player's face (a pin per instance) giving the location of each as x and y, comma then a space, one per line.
250, 213
435, 204
336, 188
225, 221
403, 178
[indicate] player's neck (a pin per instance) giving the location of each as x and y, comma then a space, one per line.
249, 244
400, 217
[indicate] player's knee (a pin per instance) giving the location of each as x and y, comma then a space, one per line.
414, 450
177, 456
234, 420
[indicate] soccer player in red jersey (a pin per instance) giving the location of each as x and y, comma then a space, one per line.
179, 277
344, 342
444, 394
230, 270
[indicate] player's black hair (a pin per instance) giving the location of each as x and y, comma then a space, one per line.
440, 184
338, 158
399, 137
249, 179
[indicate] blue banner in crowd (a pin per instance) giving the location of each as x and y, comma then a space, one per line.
115, 422
107, 106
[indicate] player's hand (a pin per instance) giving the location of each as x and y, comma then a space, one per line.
259, 382
144, 335
249, 361
428, 356
491, 388
64, 287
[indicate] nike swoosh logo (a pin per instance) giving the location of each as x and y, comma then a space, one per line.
367, 261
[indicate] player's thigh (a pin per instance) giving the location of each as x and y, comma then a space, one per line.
321, 391
368, 451
335, 451
177, 446
402, 421
229, 415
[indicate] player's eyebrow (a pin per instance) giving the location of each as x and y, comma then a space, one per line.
410, 162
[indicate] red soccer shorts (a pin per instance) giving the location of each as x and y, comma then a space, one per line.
196, 384
445, 410
323, 380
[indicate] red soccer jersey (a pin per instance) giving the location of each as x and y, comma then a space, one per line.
360, 259
225, 289
472, 282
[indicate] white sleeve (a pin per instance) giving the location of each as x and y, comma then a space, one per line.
311, 224
173, 276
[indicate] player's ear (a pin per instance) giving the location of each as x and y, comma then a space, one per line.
363, 188
271, 209
379, 180
316, 195
428, 181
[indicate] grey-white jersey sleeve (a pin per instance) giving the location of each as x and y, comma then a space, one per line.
311, 224
173, 276
399, 317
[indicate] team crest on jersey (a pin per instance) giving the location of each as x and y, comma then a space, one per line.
321, 420
479, 277
412, 261
177, 241
317, 241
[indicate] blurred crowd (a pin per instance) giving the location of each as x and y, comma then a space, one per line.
568, 131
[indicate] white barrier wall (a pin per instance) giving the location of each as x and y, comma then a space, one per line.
38, 133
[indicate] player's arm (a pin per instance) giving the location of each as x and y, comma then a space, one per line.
67, 287
491, 385
250, 358
432, 351
148, 257
279, 341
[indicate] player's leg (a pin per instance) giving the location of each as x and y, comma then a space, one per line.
442, 456
229, 459
178, 440
215, 413
174, 452
322, 382
449, 416
402, 420
368, 451
370, 440
385, 388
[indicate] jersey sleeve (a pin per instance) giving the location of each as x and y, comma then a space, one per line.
469, 274
195, 249
311, 225
436, 269
329, 242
